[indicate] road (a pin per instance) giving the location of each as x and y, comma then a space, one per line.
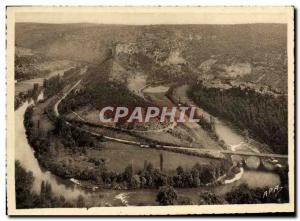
55, 108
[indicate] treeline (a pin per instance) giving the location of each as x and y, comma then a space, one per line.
241, 194
264, 116
26, 67
73, 136
167, 195
27, 198
52, 85
39, 142
150, 177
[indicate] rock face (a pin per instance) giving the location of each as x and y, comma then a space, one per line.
175, 58
206, 65
239, 69
129, 48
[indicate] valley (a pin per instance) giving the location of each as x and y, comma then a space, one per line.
130, 66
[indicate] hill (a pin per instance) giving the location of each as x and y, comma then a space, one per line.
255, 53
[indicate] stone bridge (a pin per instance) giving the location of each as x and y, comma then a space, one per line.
255, 160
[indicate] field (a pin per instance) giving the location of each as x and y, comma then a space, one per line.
118, 156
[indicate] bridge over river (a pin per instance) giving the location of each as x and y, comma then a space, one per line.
260, 155
252, 159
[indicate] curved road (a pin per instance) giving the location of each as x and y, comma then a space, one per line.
63, 97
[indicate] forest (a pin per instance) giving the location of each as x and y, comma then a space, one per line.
263, 115
25, 67
52, 85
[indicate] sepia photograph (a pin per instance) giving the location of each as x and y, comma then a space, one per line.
150, 110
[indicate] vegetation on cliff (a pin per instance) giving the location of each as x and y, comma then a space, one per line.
264, 116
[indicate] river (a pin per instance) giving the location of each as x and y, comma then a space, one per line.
24, 86
25, 154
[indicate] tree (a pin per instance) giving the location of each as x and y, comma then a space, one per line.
60, 126
179, 170
161, 157
80, 202
160, 179
149, 168
206, 173
42, 193
24, 181
143, 181
46, 195
128, 172
196, 179
184, 200
209, 198
242, 194
166, 195
135, 182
